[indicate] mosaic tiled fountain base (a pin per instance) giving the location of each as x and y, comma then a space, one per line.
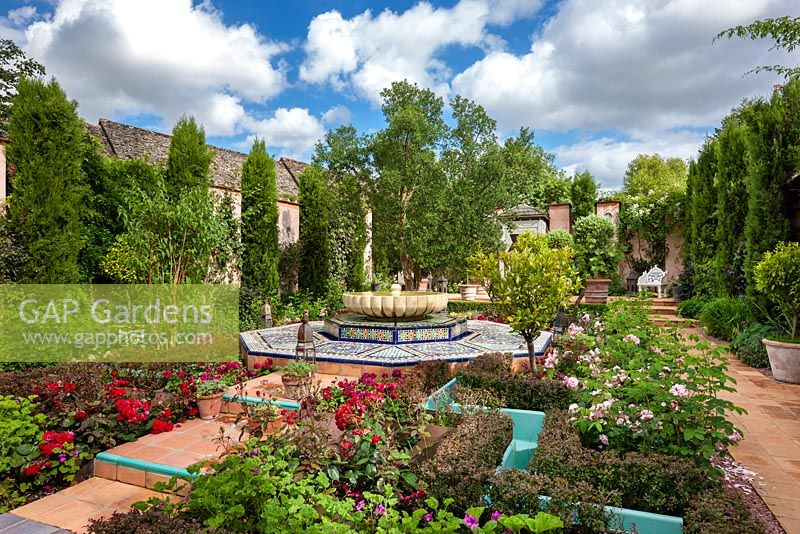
478, 338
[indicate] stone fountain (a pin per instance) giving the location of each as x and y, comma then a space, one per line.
395, 317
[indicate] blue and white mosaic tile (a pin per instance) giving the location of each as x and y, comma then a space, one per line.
483, 337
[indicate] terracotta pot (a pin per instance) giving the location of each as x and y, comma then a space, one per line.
293, 386
596, 291
468, 291
209, 406
272, 427
784, 358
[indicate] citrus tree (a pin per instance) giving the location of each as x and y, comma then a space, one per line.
778, 278
531, 280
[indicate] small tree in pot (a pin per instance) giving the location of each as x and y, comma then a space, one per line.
777, 277
596, 256
532, 281
295, 375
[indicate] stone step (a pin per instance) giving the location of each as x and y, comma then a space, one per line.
671, 319
663, 310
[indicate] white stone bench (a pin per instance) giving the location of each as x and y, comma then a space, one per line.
654, 278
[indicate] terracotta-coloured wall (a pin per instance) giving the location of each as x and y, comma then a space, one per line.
675, 244
560, 217
609, 208
288, 221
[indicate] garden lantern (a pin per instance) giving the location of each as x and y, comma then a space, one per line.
560, 322
441, 284
630, 282
306, 348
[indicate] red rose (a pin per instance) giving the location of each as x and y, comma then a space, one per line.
32, 470
160, 426
376, 439
80, 415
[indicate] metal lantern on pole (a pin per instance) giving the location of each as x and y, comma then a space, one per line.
306, 348
441, 284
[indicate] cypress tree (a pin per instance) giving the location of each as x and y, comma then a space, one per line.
773, 130
703, 217
189, 157
259, 222
731, 205
583, 193
48, 190
315, 238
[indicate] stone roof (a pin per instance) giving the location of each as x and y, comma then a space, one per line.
524, 211
129, 142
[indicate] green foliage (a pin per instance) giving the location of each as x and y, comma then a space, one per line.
647, 482
534, 283
725, 317
485, 308
20, 429
692, 308
260, 252
14, 66
315, 238
747, 345
48, 191
297, 369
150, 522
467, 458
731, 206
11, 255
701, 208
583, 193
171, 240
777, 277
773, 128
596, 253
189, 158
649, 176
518, 391
559, 239
783, 31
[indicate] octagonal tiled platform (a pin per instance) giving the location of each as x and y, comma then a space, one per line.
481, 337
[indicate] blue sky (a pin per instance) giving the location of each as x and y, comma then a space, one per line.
599, 81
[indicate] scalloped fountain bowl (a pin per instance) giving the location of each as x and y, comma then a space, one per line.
406, 305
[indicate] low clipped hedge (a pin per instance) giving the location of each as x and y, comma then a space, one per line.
467, 459
477, 306
648, 482
150, 522
747, 345
720, 511
492, 372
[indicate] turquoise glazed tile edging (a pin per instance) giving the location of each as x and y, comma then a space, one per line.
141, 465
285, 404
527, 425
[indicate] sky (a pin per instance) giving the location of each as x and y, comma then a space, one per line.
598, 81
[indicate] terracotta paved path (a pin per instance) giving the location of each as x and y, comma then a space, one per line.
771, 444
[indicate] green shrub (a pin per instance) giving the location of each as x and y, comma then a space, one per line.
430, 376
691, 308
725, 317
20, 429
648, 482
720, 511
778, 278
596, 253
747, 345
559, 239
485, 308
579, 506
467, 459
492, 372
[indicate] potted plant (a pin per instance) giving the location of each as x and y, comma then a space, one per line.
209, 397
469, 291
596, 256
777, 277
296, 375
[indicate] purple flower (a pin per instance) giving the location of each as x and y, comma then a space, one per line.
256, 470
62, 457
360, 504
471, 522
496, 515
603, 439
380, 509
255, 452
428, 517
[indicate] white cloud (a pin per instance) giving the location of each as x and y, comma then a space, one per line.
642, 69
22, 15
337, 115
12, 25
164, 57
294, 130
371, 51
608, 157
